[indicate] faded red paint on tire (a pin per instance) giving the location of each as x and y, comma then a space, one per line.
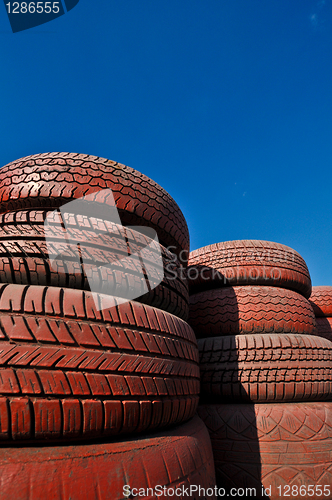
25, 245
271, 445
174, 459
241, 310
248, 262
324, 327
321, 301
266, 368
70, 370
52, 179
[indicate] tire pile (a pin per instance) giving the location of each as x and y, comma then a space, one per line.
321, 301
97, 392
266, 377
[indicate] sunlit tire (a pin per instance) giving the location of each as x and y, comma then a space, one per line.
90, 253
178, 458
50, 180
248, 262
76, 365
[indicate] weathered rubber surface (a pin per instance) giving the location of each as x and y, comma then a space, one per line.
249, 309
71, 370
266, 368
321, 301
173, 459
324, 328
25, 245
52, 179
248, 262
283, 444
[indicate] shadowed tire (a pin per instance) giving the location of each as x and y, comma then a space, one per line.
321, 300
285, 445
243, 310
266, 368
324, 327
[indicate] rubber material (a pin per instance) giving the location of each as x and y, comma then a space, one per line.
243, 310
284, 444
25, 245
266, 368
324, 328
248, 262
52, 179
174, 459
71, 370
321, 300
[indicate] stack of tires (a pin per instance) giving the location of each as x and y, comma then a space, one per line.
321, 301
80, 363
266, 378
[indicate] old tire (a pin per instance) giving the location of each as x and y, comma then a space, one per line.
266, 368
71, 370
248, 262
243, 310
174, 459
321, 300
279, 445
324, 328
26, 244
50, 180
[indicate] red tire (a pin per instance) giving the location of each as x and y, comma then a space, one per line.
282, 446
321, 300
26, 243
243, 310
71, 370
248, 262
181, 458
52, 179
266, 368
324, 328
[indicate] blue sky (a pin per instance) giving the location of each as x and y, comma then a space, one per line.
226, 104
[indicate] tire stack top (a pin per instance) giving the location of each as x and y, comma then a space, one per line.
77, 364
248, 262
50, 180
31, 187
258, 344
249, 287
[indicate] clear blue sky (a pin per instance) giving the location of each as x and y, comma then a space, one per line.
226, 104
